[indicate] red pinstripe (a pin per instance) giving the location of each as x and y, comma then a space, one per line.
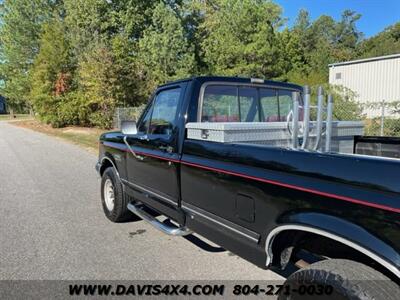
290, 186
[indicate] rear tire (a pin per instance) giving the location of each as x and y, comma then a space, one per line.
347, 279
113, 199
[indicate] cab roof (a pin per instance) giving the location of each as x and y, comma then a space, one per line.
202, 79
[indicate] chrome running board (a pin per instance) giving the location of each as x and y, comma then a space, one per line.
170, 230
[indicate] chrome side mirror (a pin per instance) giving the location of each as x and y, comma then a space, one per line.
128, 127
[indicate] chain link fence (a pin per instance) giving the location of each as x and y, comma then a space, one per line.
127, 114
380, 118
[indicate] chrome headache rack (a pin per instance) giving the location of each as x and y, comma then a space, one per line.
320, 135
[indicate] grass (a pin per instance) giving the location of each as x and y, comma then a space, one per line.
7, 117
86, 137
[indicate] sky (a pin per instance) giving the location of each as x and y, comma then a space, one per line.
376, 15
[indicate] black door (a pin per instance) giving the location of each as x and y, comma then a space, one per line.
153, 166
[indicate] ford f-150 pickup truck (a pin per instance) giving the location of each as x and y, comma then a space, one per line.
221, 157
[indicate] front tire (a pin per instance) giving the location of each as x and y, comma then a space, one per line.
113, 199
345, 279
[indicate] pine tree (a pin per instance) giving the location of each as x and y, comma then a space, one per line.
164, 51
51, 72
240, 38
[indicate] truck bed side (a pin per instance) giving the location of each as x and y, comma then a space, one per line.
259, 188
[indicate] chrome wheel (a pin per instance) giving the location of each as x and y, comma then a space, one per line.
109, 196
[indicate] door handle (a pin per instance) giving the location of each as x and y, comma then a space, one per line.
144, 138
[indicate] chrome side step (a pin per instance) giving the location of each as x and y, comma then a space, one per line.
170, 230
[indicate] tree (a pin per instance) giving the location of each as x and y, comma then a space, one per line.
99, 85
164, 51
322, 42
128, 79
51, 72
92, 21
293, 58
302, 23
240, 38
21, 24
304, 34
87, 21
192, 14
346, 32
131, 17
384, 43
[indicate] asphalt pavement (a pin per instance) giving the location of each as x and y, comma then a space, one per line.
52, 225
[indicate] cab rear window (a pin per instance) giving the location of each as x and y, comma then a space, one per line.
229, 103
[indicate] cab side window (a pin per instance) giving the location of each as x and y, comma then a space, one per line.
163, 117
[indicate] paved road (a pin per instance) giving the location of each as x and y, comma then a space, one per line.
52, 225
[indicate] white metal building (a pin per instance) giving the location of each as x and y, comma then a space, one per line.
373, 79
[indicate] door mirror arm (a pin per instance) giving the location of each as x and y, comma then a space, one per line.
137, 156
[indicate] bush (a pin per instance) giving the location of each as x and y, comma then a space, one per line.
75, 109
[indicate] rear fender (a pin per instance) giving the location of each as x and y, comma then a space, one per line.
341, 231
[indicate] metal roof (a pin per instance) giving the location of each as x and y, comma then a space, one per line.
358, 61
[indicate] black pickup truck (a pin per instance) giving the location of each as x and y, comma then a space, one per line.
334, 216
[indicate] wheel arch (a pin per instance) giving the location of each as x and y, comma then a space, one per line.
340, 231
107, 162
